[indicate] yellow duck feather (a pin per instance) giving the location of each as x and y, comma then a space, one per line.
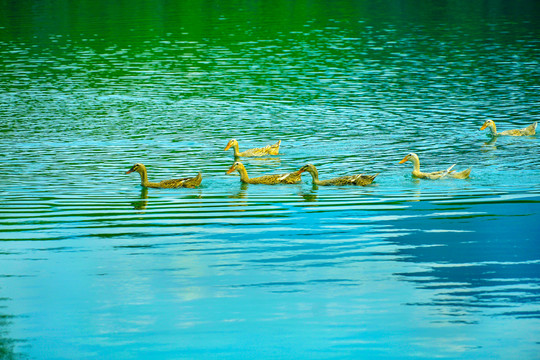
289, 178
267, 150
412, 157
360, 180
188, 182
527, 131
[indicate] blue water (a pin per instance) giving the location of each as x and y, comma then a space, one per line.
94, 266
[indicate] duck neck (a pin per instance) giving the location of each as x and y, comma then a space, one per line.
315, 175
416, 164
493, 129
236, 149
144, 177
243, 173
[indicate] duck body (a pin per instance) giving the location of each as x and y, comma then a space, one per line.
188, 182
527, 131
412, 157
359, 180
267, 150
289, 178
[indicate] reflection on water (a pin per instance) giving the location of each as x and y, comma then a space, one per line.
490, 144
310, 196
143, 202
94, 266
242, 193
273, 161
7, 345
475, 269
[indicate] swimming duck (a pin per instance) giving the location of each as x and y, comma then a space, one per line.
412, 157
267, 150
165, 184
529, 130
360, 180
290, 178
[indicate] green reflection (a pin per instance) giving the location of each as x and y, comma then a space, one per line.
143, 202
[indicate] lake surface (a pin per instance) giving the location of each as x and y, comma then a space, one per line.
94, 266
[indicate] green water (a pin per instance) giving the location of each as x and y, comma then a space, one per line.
94, 266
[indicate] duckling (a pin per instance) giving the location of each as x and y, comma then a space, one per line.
529, 130
290, 178
412, 157
361, 180
267, 150
165, 184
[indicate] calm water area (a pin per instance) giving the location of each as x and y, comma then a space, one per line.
93, 266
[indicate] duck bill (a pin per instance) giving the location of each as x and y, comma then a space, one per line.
231, 169
484, 126
129, 171
228, 146
404, 159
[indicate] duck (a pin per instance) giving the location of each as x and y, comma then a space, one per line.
361, 180
529, 130
412, 157
267, 150
289, 178
188, 182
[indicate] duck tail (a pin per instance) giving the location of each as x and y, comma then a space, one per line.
372, 177
461, 174
465, 173
274, 149
198, 179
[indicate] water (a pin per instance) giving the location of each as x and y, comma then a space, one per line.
93, 266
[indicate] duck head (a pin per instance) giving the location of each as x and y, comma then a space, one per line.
488, 123
309, 168
235, 166
137, 167
232, 142
410, 157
